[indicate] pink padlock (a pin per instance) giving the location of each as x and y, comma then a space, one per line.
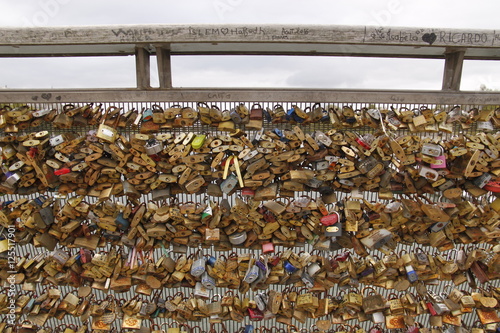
268, 247
441, 165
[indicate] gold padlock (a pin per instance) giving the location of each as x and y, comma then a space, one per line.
105, 132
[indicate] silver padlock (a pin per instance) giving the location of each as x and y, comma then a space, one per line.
252, 274
377, 239
60, 256
201, 291
432, 149
313, 268
160, 194
229, 184
12, 178
226, 115
41, 113
56, 140
322, 165
378, 317
322, 138
261, 300
153, 147
235, 117
440, 308
482, 180
374, 113
207, 281
428, 173
485, 126
238, 238
198, 267
307, 279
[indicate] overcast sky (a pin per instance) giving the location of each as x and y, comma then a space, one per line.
257, 71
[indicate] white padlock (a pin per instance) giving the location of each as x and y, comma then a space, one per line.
428, 173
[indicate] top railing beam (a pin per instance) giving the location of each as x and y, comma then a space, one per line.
249, 39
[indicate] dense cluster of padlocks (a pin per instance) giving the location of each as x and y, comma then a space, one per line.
87, 188
104, 162
155, 118
397, 311
353, 224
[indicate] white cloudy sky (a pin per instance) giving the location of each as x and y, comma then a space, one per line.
257, 71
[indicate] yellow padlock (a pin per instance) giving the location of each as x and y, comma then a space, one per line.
4, 245
495, 205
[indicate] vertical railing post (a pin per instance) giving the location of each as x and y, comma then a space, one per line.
164, 66
142, 68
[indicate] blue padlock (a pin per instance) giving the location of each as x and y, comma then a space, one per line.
412, 275
211, 261
147, 115
248, 329
40, 200
122, 222
267, 115
289, 267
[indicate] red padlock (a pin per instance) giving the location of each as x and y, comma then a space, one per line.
255, 314
413, 329
330, 219
342, 256
62, 171
431, 309
275, 259
269, 217
247, 192
85, 256
363, 144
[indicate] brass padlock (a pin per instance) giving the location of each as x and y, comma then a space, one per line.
107, 133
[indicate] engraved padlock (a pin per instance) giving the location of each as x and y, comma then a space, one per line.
334, 230
484, 126
261, 300
201, 291
252, 274
377, 239
366, 164
198, 267
207, 281
411, 273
